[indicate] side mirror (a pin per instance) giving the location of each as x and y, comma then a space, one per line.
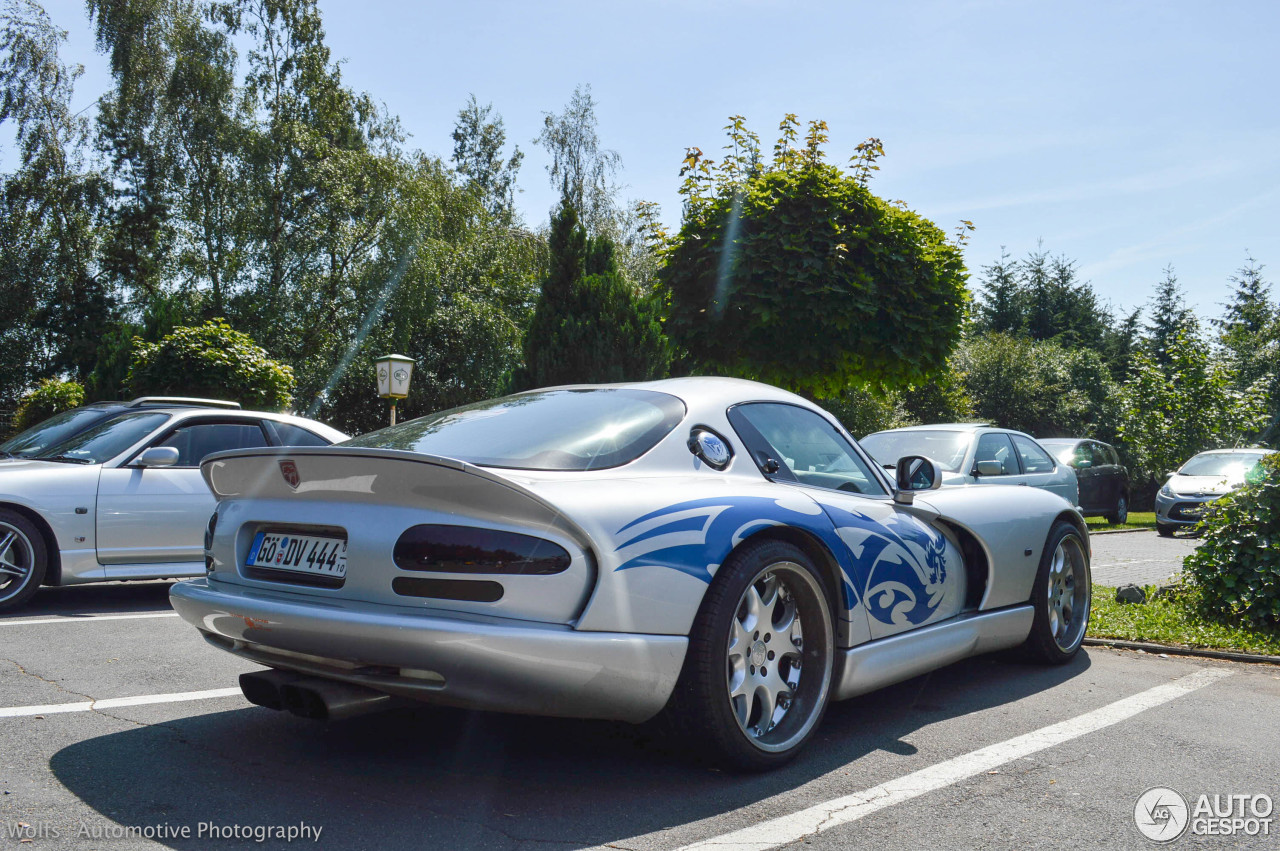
916, 473
157, 456
989, 468
1082, 463
1170, 474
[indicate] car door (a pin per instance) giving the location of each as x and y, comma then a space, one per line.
995, 447
1089, 475
1040, 471
156, 515
906, 572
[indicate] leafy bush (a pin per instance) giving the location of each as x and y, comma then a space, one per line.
212, 360
794, 273
50, 397
1237, 568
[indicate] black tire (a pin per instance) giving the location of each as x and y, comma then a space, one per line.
715, 688
1164, 530
1121, 512
23, 559
1061, 597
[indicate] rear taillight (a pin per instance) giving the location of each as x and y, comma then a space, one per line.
209, 530
469, 549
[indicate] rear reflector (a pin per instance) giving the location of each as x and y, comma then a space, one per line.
470, 590
470, 549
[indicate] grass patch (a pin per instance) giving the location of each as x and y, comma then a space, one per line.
1172, 620
1137, 520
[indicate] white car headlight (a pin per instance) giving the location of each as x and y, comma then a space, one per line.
1166, 491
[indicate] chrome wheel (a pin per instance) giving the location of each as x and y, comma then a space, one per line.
17, 561
1068, 594
765, 642
778, 657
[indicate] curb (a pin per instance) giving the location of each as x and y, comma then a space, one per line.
1119, 531
1229, 655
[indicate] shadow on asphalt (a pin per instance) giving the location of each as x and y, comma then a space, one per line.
97, 599
441, 778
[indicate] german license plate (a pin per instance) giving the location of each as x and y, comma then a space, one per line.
312, 554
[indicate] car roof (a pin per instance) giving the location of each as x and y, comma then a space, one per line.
700, 391
1236, 450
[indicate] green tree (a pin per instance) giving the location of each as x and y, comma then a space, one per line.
479, 139
794, 273
54, 302
214, 361
1171, 411
1000, 308
590, 325
1169, 317
581, 170
48, 398
1040, 387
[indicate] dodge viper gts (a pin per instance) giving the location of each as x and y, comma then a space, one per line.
716, 550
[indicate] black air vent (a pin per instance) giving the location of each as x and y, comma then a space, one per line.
469, 590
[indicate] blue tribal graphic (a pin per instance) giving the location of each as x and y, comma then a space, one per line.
898, 567
694, 537
904, 562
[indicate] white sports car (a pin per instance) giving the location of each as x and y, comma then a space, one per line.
715, 548
113, 491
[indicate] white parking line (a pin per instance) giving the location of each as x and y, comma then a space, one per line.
84, 618
821, 817
116, 702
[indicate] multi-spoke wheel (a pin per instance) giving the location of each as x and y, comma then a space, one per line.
22, 559
758, 670
1061, 597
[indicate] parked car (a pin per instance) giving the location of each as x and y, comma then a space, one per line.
715, 547
1102, 479
1203, 479
977, 454
124, 499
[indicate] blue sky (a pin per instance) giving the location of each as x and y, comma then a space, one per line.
1127, 136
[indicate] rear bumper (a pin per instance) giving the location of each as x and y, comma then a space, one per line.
459, 660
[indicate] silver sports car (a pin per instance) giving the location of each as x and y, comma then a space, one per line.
715, 549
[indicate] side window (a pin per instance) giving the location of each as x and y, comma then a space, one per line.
996, 447
1112, 457
1083, 454
808, 446
292, 435
1034, 459
197, 440
1099, 455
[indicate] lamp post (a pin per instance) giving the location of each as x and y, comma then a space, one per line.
394, 373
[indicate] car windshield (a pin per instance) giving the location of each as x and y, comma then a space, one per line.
106, 440
585, 429
1063, 450
945, 448
1226, 464
52, 431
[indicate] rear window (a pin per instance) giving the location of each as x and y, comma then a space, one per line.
946, 448
587, 429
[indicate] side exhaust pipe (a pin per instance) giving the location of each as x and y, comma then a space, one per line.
263, 687
330, 700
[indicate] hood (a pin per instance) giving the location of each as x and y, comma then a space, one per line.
1206, 485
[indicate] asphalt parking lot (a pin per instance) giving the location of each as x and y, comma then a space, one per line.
116, 719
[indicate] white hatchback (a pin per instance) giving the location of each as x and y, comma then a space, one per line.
124, 499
